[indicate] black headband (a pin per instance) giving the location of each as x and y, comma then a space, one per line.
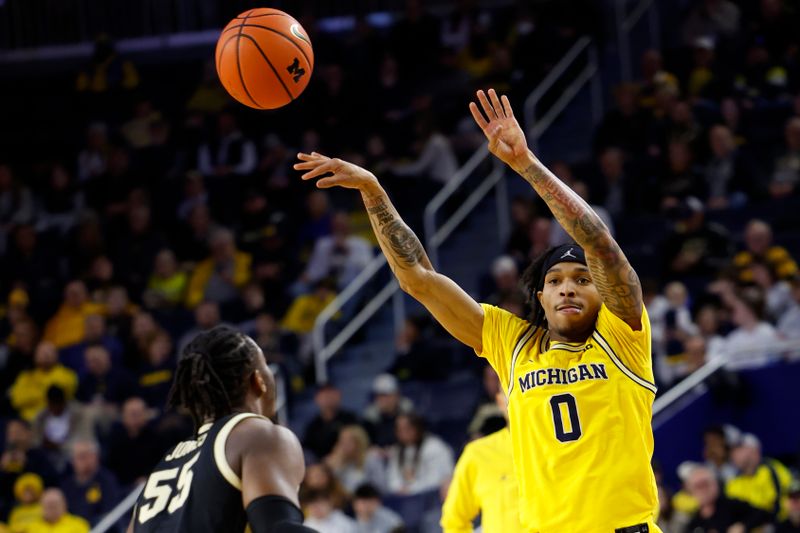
566, 253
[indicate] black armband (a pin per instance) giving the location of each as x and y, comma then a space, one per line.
275, 514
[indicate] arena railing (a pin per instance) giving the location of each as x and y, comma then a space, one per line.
435, 235
626, 22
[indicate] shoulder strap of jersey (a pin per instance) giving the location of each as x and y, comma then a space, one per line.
524, 338
219, 449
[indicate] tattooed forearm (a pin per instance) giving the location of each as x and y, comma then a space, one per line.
400, 245
612, 274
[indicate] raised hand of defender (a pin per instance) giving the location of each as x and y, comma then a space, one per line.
496, 118
342, 173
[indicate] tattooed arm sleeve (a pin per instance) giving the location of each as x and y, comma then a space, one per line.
611, 272
447, 302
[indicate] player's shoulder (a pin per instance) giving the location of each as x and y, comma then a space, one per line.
263, 434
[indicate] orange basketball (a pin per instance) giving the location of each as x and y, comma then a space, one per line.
264, 58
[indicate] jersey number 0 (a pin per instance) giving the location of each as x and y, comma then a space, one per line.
571, 408
159, 490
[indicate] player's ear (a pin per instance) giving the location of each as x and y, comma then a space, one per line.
539, 296
258, 381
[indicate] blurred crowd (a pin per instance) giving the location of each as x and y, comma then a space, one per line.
162, 210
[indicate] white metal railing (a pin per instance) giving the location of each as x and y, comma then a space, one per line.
626, 22
589, 74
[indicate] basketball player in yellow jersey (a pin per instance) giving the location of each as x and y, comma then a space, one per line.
484, 483
578, 372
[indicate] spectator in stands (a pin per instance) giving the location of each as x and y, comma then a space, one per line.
320, 477
17, 355
488, 417
625, 126
694, 357
107, 71
206, 317
792, 522
67, 326
136, 247
352, 461
681, 178
539, 230
16, 204
671, 324
340, 256
92, 160
322, 432
789, 322
31, 262
518, 244
760, 248
696, 248
419, 461
728, 175
28, 491
95, 333
750, 342
154, 376
20, 457
317, 220
58, 424
786, 173
28, 394
59, 204
303, 312
371, 515
505, 276
417, 357
762, 482
55, 518
717, 441
194, 194
91, 490
219, 277
104, 387
615, 187
716, 18
229, 152
166, 288
323, 516
387, 404
708, 323
192, 238
133, 447
716, 511
777, 293
435, 159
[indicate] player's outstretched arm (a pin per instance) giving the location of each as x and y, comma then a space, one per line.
269, 461
447, 302
611, 272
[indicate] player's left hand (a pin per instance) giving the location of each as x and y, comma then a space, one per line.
506, 139
337, 173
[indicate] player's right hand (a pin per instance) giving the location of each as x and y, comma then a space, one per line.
337, 173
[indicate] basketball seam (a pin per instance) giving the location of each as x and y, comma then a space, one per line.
273, 30
239, 66
274, 70
222, 51
263, 15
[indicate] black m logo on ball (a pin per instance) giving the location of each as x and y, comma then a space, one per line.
295, 70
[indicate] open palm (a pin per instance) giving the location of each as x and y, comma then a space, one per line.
333, 172
496, 120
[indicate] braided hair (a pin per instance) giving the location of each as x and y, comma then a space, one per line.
210, 378
532, 281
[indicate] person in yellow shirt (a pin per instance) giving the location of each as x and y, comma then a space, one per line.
219, 277
29, 391
759, 248
67, 326
55, 518
484, 483
578, 373
763, 482
28, 492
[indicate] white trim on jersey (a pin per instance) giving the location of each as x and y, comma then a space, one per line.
517, 350
625, 370
219, 449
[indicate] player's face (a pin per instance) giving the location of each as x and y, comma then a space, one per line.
570, 300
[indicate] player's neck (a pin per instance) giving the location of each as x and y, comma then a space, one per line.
579, 338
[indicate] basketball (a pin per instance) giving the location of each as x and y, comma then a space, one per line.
264, 58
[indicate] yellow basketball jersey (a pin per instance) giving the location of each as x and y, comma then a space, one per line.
483, 483
580, 422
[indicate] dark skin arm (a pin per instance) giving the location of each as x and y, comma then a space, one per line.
611, 272
268, 459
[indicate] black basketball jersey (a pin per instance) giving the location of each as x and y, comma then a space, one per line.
193, 489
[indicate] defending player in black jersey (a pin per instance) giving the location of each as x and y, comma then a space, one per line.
241, 469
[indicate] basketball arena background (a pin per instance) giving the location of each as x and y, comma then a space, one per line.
129, 181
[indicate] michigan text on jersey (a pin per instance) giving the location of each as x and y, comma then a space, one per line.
562, 376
